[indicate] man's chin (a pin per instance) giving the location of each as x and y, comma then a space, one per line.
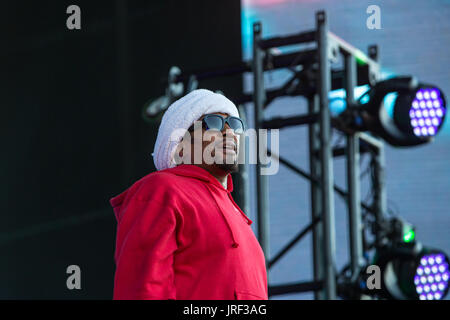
229, 167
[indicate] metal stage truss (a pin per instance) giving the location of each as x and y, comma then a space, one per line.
314, 78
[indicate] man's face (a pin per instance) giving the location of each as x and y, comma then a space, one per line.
212, 148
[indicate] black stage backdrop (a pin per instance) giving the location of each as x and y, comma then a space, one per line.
72, 134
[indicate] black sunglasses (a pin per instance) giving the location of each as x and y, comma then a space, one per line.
217, 122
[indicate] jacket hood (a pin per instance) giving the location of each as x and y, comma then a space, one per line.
193, 171
186, 170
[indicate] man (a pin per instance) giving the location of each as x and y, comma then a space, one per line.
180, 234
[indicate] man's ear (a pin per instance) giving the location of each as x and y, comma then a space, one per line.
178, 156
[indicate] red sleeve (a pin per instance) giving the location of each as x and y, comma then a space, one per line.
146, 242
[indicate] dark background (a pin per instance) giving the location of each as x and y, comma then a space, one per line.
72, 134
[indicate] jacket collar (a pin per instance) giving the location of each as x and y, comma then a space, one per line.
193, 171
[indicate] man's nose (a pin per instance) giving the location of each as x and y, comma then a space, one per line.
229, 134
226, 126
227, 129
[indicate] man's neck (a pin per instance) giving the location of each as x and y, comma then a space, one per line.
219, 174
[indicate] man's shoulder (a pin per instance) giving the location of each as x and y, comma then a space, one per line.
159, 183
163, 178
158, 176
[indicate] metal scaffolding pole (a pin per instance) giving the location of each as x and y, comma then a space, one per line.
316, 203
353, 183
243, 168
379, 187
380, 199
326, 157
259, 97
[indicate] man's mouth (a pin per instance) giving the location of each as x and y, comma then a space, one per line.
230, 146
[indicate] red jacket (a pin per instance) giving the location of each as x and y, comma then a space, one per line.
181, 236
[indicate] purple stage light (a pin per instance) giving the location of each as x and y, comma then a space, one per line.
417, 132
424, 130
427, 112
419, 95
432, 277
433, 94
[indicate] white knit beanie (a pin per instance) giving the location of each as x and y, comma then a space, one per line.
181, 115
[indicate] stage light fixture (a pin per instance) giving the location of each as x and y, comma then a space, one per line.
418, 111
409, 270
432, 275
155, 108
413, 272
422, 112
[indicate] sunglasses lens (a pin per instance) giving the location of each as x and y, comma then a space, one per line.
236, 124
214, 122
